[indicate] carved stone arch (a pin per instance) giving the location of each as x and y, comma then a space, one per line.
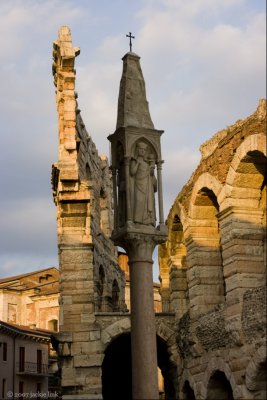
115, 330
208, 181
148, 143
257, 362
218, 364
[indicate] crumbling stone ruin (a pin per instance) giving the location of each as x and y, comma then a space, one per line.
213, 266
211, 339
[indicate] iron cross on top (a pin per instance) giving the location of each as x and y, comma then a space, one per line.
131, 37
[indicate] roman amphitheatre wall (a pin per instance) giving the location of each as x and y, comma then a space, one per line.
213, 265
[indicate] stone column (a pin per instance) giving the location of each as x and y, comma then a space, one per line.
143, 330
160, 197
243, 259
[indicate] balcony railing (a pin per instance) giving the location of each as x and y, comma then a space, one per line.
29, 368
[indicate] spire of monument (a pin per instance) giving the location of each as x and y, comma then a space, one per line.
133, 107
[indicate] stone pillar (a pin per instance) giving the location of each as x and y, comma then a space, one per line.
178, 286
243, 260
138, 142
143, 331
204, 269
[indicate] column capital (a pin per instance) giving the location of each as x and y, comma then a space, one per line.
138, 244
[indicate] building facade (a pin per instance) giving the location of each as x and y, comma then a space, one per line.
24, 357
31, 299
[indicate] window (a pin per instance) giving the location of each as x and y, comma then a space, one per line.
21, 359
39, 361
53, 325
4, 351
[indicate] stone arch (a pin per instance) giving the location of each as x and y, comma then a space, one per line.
244, 216
122, 327
218, 364
177, 267
256, 372
206, 180
219, 387
187, 377
115, 330
250, 144
115, 295
203, 242
245, 177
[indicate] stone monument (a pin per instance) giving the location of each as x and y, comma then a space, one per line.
138, 216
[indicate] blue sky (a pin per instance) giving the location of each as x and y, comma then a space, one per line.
204, 67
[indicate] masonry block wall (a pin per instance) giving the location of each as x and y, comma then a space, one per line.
90, 277
213, 266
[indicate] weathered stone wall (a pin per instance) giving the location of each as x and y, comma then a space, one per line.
90, 277
213, 265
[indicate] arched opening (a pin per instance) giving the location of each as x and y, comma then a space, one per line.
249, 192
205, 266
188, 392
53, 325
168, 370
116, 370
178, 279
115, 296
219, 387
100, 289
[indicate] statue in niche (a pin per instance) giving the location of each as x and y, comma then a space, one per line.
143, 185
121, 187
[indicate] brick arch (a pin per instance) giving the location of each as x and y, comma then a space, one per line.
218, 364
205, 180
253, 367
